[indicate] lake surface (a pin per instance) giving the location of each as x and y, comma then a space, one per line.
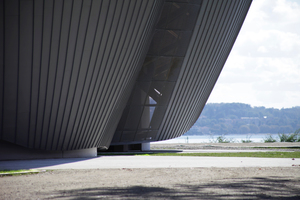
213, 138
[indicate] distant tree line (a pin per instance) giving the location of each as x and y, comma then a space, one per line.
239, 118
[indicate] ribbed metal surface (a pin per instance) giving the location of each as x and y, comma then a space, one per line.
68, 67
151, 94
164, 106
218, 25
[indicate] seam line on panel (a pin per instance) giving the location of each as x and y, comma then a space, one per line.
49, 60
31, 82
18, 75
39, 85
3, 86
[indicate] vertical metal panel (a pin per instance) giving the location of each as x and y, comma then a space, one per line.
11, 62
38, 16
1, 64
44, 70
25, 64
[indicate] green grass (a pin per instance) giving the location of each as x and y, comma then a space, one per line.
273, 154
18, 172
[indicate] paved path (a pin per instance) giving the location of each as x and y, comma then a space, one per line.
113, 162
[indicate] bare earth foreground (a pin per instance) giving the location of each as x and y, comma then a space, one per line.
156, 183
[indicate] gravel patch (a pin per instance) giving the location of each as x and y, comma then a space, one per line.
183, 183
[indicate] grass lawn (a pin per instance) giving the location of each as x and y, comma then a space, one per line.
18, 172
273, 154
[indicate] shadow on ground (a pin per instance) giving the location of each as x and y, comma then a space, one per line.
38, 163
250, 188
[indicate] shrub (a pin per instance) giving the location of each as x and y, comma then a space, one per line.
298, 135
288, 137
269, 138
220, 139
293, 137
247, 140
223, 139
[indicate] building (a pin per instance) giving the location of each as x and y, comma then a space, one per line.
88, 74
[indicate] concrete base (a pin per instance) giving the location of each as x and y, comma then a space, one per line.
10, 151
146, 146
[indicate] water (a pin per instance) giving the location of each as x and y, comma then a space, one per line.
237, 138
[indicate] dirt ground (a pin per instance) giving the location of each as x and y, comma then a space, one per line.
170, 183
160, 183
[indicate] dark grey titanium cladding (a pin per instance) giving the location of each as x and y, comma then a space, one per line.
68, 67
214, 33
78, 74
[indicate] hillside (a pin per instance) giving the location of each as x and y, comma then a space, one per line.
239, 118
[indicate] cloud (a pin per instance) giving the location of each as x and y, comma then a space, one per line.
263, 68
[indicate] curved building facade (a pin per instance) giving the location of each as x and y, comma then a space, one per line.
89, 73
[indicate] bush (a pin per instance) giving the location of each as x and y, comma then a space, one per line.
223, 139
293, 137
269, 138
287, 137
247, 140
220, 139
298, 135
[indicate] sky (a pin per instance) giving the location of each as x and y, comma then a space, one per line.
263, 68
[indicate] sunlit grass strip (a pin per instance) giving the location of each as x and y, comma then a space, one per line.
18, 172
273, 154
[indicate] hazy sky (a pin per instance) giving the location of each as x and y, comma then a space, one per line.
263, 68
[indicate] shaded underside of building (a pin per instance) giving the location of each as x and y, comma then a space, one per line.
89, 73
